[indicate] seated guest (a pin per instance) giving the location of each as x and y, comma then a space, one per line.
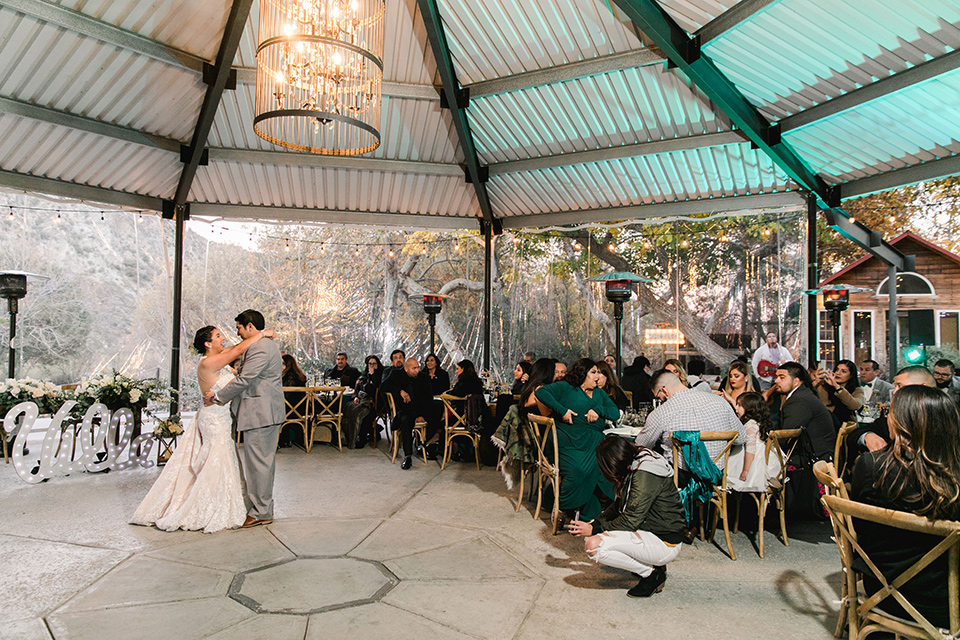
636, 379
876, 392
397, 360
468, 382
438, 379
643, 530
559, 370
521, 374
801, 409
541, 373
292, 376
737, 382
675, 367
364, 410
945, 375
695, 370
839, 391
872, 436
342, 372
747, 468
920, 474
530, 357
684, 409
412, 397
608, 382
580, 409
611, 360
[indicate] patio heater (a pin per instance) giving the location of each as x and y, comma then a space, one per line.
836, 299
432, 305
619, 289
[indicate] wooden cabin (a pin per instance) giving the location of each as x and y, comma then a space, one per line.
928, 304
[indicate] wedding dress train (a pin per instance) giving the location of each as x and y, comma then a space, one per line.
200, 487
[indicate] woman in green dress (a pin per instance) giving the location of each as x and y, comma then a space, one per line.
580, 409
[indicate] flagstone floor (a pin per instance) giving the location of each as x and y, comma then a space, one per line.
361, 549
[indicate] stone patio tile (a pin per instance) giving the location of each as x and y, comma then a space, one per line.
28, 629
491, 610
266, 626
309, 584
235, 550
376, 621
477, 559
60, 569
396, 538
189, 620
143, 580
322, 537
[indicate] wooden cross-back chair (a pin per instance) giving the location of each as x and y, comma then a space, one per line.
774, 492
455, 426
328, 410
548, 464
419, 431
299, 410
861, 611
629, 395
720, 492
840, 453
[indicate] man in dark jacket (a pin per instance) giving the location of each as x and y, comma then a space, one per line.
802, 409
636, 380
346, 375
413, 399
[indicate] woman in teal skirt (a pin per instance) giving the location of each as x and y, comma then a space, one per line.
580, 410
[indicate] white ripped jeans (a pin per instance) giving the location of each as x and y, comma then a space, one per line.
635, 551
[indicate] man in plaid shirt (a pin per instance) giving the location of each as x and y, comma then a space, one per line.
685, 409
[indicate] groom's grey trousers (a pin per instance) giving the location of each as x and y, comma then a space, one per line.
259, 461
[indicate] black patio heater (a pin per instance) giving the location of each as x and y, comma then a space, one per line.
619, 288
432, 305
835, 302
13, 286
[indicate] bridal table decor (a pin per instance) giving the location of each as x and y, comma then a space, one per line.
166, 434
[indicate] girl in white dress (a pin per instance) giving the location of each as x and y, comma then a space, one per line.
747, 470
200, 487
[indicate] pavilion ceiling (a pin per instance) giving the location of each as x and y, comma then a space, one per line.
573, 110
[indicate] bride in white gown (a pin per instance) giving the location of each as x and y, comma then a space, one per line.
200, 487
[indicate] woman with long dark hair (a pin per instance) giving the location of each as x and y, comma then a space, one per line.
747, 470
643, 529
292, 376
521, 373
920, 473
610, 385
468, 382
541, 373
839, 390
363, 408
580, 410
434, 374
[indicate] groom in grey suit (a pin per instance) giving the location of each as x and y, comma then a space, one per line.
257, 396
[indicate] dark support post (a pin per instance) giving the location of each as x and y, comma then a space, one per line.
813, 317
14, 305
893, 340
618, 321
179, 218
432, 321
487, 291
835, 317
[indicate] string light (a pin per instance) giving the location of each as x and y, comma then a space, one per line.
456, 247
322, 247
767, 232
357, 252
58, 216
893, 219
140, 218
852, 219
11, 213
684, 244
577, 246
287, 247
390, 253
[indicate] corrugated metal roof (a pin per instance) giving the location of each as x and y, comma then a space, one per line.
497, 38
188, 25
602, 111
339, 189
694, 14
61, 153
798, 53
665, 177
896, 131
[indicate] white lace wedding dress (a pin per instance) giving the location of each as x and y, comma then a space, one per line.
200, 487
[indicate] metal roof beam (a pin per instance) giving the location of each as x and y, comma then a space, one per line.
565, 72
334, 162
900, 177
232, 30
76, 191
457, 101
791, 200
685, 52
731, 18
293, 214
891, 84
616, 153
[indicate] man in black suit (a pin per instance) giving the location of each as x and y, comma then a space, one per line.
802, 409
413, 399
636, 380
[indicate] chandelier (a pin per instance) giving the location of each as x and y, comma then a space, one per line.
319, 75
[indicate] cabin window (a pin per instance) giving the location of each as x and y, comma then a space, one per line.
828, 348
908, 284
949, 329
862, 336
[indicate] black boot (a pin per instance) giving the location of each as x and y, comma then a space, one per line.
650, 585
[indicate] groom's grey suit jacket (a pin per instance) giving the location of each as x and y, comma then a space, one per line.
257, 391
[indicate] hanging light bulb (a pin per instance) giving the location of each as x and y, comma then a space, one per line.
287, 247
577, 246
684, 243
58, 216
11, 213
140, 218
456, 247
611, 247
893, 219
390, 253
852, 219
101, 216
357, 252
322, 247
424, 250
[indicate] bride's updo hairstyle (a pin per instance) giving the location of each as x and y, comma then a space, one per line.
204, 335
